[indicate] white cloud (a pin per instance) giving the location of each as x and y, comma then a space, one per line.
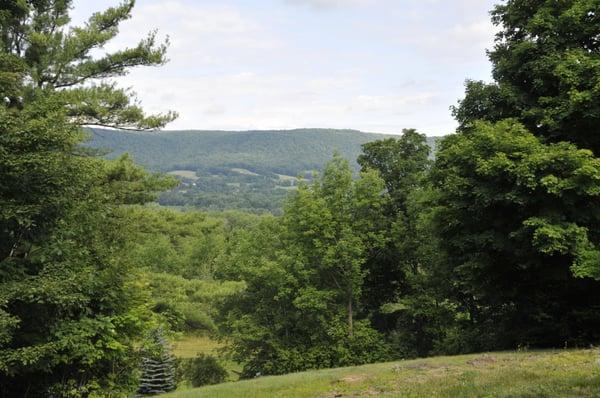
389, 103
476, 36
257, 101
454, 44
322, 4
198, 34
239, 65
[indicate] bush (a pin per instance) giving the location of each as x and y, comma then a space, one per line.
333, 348
204, 370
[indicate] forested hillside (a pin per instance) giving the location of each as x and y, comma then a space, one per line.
288, 152
221, 170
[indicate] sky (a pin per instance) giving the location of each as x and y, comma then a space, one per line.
371, 65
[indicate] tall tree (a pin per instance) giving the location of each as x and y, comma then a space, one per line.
304, 285
400, 294
516, 213
545, 64
70, 309
402, 164
158, 367
515, 217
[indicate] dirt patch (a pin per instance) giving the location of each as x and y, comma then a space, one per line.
369, 392
416, 366
484, 360
353, 378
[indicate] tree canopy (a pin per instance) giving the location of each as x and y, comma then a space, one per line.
56, 57
546, 65
515, 218
70, 307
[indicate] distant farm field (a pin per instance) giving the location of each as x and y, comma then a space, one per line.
190, 175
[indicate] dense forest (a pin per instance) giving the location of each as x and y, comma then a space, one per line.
491, 244
224, 170
287, 152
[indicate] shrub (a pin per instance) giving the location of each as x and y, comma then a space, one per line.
204, 370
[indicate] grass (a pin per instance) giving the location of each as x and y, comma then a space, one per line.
191, 345
565, 373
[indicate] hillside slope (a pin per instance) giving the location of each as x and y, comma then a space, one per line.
283, 152
568, 373
223, 170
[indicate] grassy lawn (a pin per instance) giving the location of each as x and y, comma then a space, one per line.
564, 373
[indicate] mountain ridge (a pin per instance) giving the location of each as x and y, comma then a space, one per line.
251, 170
285, 151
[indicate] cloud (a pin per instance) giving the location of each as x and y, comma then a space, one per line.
248, 100
454, 44
199, 34
389, 103
239, 65
326, 4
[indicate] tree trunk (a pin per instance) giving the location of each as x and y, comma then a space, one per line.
350, 316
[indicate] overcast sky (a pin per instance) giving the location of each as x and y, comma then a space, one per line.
372, 65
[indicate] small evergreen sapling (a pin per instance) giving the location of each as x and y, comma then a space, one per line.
158, 367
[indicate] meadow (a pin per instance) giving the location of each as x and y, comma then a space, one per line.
556, 373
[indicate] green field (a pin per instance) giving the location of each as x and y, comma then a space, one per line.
565, 373
190, 346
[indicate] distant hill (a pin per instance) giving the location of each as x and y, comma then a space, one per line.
251, 170
283, 152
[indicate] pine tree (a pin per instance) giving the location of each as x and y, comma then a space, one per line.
158, 368
69, 301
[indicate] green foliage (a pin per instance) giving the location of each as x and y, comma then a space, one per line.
180, 253
189, 244
400, 293
402, 163
40, 178
514, 216
516, 211
188, 304
304, 276
546, 65
71, 307
250, 170
157, 366
204, 370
